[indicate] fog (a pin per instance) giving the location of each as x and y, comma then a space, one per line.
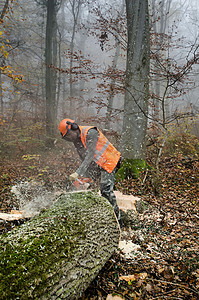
85, 93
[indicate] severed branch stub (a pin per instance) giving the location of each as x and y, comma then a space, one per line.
57, 254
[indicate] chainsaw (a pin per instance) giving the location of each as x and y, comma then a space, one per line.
80, 184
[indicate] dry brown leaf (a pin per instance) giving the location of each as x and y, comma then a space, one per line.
149, 287
160, 270
128, 278
111, 297
139, 283
143, 275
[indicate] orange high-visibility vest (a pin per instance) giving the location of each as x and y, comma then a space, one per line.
106, 156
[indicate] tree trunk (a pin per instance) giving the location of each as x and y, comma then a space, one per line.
112, 86
59, 76
1, 97
58, 253
76, 4
113, 80
50, 72
137, 80
159, 28
4, 10
2, 14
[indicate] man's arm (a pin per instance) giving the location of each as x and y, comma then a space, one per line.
91, 142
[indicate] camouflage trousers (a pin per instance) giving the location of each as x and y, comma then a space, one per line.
106, 188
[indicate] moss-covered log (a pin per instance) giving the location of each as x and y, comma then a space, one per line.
59, 252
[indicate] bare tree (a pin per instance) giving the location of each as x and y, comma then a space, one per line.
159, 19
3, 12
51, 58
75, 7
114, 66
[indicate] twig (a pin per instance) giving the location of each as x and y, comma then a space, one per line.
164, 294
145, 176
177, 284
169, 297
160, 150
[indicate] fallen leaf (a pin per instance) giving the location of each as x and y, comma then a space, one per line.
139, 283
148, 287
160, 270
111, 297
128, 278
143, 275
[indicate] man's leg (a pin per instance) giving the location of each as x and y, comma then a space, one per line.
106, 188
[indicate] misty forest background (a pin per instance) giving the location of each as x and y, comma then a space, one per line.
68, 59
130, 68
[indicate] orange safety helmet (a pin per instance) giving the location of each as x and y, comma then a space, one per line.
67, 124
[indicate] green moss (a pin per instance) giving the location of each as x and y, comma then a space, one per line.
32, 256
22, 259
37, 249
131, 168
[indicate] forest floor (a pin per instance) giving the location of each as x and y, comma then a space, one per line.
166, 262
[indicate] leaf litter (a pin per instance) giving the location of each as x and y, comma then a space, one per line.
166, 234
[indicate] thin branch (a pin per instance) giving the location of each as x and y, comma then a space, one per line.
160, 150
176, 284
5, 8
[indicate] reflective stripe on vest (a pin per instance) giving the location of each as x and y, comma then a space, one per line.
99, 153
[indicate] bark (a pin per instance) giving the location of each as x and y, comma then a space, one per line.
59, 252
4, 10
76, 4
1, 96
51, 55
2, 14
59, 75
159, 28
113, 80
111, 93
137, 80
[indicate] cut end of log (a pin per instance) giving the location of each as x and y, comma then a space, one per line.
126, 202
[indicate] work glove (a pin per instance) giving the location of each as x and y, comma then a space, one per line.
73, 176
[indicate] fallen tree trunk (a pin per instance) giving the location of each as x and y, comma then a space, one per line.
59, 252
